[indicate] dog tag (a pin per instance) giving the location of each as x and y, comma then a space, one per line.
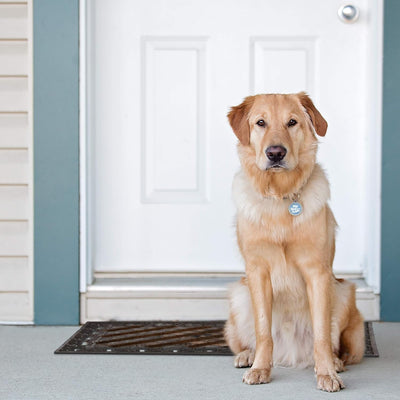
295, 208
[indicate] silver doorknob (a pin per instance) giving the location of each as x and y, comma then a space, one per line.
348, 13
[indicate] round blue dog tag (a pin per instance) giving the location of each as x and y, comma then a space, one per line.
295, 208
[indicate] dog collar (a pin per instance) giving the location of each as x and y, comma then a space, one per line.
295, 208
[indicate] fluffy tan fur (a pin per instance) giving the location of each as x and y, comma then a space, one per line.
290, 310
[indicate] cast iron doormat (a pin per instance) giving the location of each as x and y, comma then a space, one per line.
162, 337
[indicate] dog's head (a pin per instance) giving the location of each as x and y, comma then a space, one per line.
277, 133
279, 127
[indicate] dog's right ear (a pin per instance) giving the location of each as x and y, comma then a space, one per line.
238, 118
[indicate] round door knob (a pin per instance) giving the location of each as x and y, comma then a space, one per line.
348, 13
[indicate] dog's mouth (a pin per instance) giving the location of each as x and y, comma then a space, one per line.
276, 166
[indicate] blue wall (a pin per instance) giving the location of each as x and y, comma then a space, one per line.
390, 253
56, 156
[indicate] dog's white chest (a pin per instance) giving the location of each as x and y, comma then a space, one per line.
254, 207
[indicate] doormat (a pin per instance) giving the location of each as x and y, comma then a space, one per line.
162, 337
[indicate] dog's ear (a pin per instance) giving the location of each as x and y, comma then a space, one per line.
317, 119
238, 118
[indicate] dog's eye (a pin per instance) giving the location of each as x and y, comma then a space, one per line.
292, 122
261, 122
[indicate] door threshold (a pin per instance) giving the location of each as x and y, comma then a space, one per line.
177, 297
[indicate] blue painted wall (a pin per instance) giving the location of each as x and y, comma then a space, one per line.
56, 156
390, 253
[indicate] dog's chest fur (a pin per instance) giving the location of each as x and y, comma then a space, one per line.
271, 215
268, 219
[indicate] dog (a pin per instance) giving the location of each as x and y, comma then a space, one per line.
289, 309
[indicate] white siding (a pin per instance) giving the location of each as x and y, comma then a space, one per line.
16, 166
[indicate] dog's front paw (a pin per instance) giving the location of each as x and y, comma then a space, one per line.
256, 376
244, 359
330, 383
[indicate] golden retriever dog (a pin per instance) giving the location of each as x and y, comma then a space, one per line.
289, 310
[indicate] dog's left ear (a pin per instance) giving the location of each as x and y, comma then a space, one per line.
317, 119
238, 118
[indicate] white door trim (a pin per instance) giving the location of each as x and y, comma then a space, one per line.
374, 137
372, 238
83, 159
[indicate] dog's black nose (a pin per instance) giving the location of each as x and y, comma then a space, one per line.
275, 153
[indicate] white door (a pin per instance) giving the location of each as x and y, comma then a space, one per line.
161, 78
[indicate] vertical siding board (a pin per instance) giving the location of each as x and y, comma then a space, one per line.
56, 156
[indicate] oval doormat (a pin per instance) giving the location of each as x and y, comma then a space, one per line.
162, 337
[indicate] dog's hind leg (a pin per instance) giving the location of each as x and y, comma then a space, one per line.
348, 340
352, 339
239, 329
244, 359
339, 364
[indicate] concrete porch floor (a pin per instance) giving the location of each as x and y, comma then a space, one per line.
30, 370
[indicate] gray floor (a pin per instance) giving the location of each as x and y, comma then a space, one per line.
30, 370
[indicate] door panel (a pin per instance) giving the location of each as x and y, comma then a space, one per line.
162, 76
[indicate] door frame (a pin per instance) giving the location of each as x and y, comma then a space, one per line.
373, 233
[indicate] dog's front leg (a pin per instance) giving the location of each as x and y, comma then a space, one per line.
259, 282
319, 288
